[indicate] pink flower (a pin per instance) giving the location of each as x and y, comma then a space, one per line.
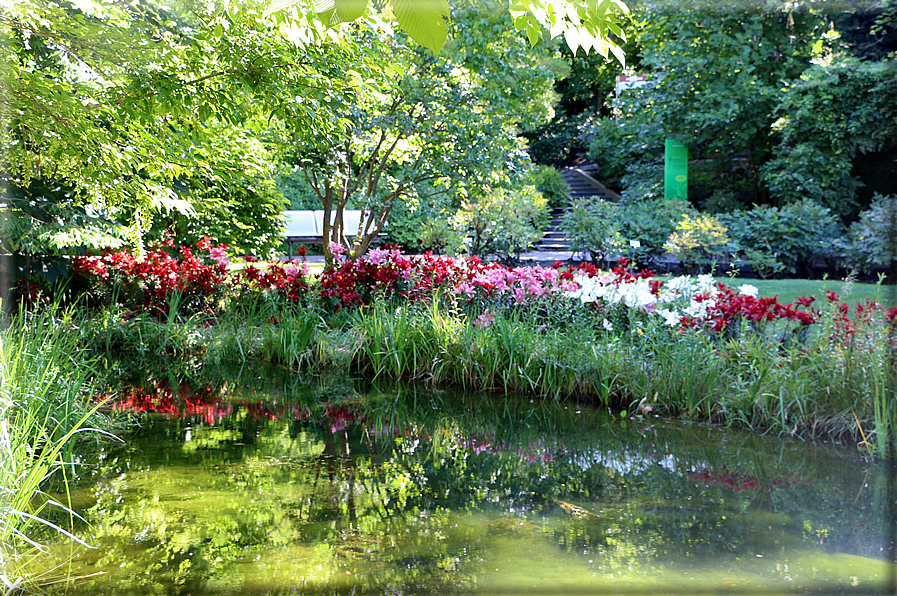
218, 255
484, 320
376, 255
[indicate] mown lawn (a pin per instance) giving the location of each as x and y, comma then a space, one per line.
788, 290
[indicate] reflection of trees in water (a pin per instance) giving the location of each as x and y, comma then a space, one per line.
392, 489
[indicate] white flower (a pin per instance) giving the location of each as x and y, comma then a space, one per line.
607, 325
697, 309
681, 284
706, 285
638, 295
749, 290
671, 318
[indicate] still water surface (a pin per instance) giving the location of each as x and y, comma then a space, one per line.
268, 483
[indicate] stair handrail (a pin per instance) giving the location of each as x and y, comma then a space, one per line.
605, 190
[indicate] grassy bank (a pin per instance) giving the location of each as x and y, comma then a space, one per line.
835, 383
820, 366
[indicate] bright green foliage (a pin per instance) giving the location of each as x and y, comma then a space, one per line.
583, 24
426, 221
783, 240
552, 185
834, 114
637, 231
42, 220
117, 103
698, 240
441, 234
505, 221
592, 225
873, 239
236, 200
649, 223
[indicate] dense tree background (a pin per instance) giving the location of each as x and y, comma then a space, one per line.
179, 118
127, 121
776, 103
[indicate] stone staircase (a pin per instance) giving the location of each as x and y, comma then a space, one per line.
582, 185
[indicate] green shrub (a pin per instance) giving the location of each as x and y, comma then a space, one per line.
441, 234
873, 238
698, 240
643, 181
552, 185
235, 201
785, 240
591, 225
505, 221
807, 171
645, 227
424, 221
828, 119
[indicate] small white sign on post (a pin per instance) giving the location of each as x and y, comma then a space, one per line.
630, 82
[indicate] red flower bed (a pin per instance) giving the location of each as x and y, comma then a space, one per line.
152, 281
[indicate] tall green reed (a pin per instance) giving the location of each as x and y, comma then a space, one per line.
46, 384
289, 339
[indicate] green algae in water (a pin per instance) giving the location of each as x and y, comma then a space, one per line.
290, 488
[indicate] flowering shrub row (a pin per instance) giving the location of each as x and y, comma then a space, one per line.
680, 303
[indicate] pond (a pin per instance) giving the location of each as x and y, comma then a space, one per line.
266, 482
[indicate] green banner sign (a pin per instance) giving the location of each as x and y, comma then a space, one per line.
675, 171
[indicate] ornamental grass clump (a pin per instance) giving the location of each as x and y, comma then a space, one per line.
46, 415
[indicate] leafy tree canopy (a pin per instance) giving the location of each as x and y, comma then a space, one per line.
446, 121
117, 100
586, 24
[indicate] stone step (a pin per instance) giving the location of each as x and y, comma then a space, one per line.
580, 188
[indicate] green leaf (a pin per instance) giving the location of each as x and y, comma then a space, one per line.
423, 20
349, 10
276, 5
326, 11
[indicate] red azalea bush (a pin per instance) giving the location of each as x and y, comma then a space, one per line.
288, 280
387, 273
151, 282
